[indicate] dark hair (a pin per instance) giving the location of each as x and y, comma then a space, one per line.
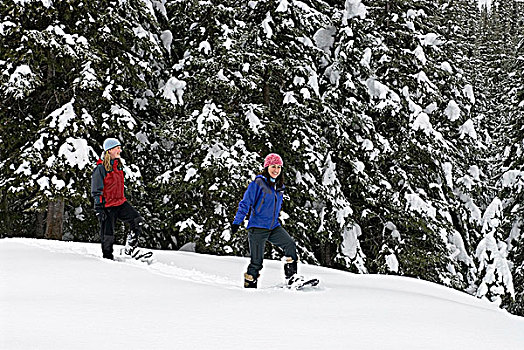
279, 181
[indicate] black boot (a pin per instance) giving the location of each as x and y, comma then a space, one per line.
250, 281
292, 278
290, 268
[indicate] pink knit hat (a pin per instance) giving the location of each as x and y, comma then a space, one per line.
273, 159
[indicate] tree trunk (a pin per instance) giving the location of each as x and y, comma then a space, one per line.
55, 219
265, 89
40, 224
266, 94
387, 14
326, 254
6, 220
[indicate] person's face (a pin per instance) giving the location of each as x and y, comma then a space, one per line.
274, 170
115, 152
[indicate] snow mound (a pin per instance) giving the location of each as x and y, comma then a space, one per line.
63, 295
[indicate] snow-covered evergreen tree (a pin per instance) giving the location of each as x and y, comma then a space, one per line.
511, 176
415, 107
253, 87
497, 252
495, 279
76, 75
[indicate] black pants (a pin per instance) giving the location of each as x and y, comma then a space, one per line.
126, 213
257, 240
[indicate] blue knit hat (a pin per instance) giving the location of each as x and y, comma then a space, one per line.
111, 143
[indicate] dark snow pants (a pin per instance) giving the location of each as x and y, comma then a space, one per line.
126, 213
257, 240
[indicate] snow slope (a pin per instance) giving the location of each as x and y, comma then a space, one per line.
63, 295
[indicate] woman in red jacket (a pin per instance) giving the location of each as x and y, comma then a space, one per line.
107, 189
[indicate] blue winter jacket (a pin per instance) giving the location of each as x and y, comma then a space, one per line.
265, 203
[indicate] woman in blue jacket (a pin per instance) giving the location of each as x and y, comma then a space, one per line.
264, 198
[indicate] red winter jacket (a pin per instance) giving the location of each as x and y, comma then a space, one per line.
107, 187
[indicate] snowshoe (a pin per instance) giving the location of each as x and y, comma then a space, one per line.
294, 280
136, 253
309, 283
297, 282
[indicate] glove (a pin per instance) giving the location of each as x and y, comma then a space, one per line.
101, 216
100, 213
234, 228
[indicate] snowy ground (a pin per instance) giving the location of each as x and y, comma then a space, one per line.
63, 295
